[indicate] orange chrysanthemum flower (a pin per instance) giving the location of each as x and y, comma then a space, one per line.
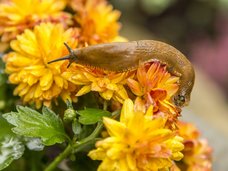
17, 15
153, 85
137, 142
97, 22
197, 153
27, 65
108, 84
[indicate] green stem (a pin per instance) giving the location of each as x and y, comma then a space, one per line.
70, 148
59, 158
105, 105
116, 113
92, 136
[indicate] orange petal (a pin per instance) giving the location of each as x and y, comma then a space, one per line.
135, 87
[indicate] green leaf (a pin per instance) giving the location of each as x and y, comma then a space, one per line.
11, 148
91, 115
5, 128
30, 123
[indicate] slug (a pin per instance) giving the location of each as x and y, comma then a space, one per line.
126, 56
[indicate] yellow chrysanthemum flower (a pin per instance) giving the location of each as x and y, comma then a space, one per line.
108, 84
97, 22
17, 15
153, 85
138, 142
197, 152
27, 65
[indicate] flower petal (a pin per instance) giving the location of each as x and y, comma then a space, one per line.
83, 90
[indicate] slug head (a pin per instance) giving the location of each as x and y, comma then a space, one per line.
71, 57
181, 100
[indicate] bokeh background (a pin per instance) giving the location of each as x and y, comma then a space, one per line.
198, 28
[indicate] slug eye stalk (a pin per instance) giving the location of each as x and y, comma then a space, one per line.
70, 57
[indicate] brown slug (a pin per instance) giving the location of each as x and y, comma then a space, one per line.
126, 56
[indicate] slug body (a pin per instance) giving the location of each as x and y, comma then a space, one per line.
126, 56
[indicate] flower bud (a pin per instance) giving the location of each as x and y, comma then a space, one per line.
69, 115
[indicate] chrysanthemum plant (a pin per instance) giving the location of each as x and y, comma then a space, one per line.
55, 117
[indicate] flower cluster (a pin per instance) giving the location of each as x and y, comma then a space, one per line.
197, 152
153, 85
137, 142
43, 33
110, 85
148, 135
97, 21
18, 15
27, 65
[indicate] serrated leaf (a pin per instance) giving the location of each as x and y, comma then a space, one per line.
5, 128
91, 115
30, 123
11, 148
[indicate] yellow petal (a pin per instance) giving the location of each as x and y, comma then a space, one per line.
83, 90
127, 111
37, 70
46, 80
131, 161
20, 87
58, 81
121, 92
177, 156
114, 127
149, 112
113, 87
118, 78
77, 79
47, 95
38, 92
32, 80
96, 87
107, 94
24, 90
13, 78
97, 154
123, 165
89, 76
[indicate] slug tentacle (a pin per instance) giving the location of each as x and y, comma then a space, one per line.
72, 57
126, 56
60, 59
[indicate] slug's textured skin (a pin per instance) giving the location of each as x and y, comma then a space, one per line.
127, 56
